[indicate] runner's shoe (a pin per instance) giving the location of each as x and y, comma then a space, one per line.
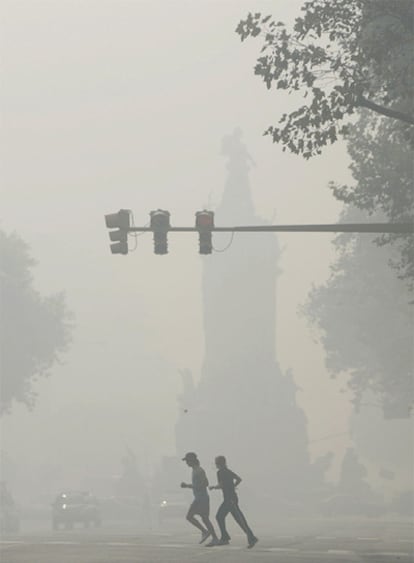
223, 542
213, 543
204, 536
252, 542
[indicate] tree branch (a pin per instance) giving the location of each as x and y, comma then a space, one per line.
363, 102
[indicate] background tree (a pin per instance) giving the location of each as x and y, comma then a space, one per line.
365, 321
351, 62
34, 330
342, 56
382, 167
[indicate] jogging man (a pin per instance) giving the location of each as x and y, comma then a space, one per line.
201, 503
227, 481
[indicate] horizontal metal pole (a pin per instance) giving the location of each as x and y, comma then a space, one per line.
398, 228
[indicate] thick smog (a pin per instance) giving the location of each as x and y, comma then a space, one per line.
206, 282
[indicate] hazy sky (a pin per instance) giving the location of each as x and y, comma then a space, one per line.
113, 104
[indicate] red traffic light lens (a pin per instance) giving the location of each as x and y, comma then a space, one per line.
205, 219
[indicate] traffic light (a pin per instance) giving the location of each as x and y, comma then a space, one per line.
160, 225
204, 225
120, 221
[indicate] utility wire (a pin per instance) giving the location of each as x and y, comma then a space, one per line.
135, 235
226, 247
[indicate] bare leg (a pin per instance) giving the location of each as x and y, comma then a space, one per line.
241, 520
221, 520
190, 518
209, 526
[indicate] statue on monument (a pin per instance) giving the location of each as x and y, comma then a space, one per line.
236, 151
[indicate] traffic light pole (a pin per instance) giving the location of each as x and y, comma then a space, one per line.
396, 228
121, 225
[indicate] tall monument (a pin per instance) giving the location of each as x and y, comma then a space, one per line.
243, 407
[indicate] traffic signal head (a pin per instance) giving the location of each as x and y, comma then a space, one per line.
205, 225
120, 221
160, 225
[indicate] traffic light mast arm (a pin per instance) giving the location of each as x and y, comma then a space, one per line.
120, 227
399, 228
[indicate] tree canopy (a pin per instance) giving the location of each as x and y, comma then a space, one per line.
341, 56
382, 168
366, 322
34, 330
349, 64
363, 311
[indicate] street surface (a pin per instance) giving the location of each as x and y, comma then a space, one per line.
320, 542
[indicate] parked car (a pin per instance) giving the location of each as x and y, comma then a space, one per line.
9, 520
72, 507
9, 514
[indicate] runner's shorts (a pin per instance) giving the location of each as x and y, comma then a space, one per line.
200, 506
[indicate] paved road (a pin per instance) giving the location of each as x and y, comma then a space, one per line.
393, 545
